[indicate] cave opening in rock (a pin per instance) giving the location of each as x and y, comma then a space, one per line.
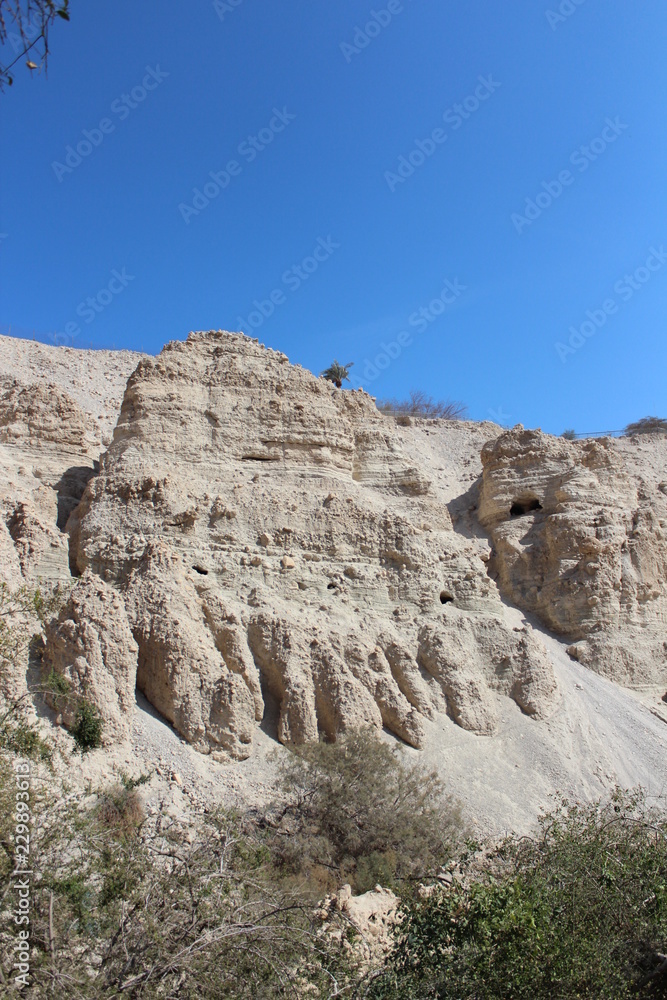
445, 598
200, 570
525, 506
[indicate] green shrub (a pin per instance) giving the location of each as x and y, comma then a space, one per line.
337, 373
578, 912
569, 434
23, 739
56, 684
357, 813
87, 728
129, 784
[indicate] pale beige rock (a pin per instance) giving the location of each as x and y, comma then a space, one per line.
91, 646
341, 519
182, 669
471, 656
57, 409
590, 558
372, 916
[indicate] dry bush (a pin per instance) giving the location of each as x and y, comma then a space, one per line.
157, 910
121, 810
419, 404
647, 425
356, 812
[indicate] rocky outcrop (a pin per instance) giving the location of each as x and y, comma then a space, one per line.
362, 924
50, 441
91, 648
579, 532
49, 447
280, 557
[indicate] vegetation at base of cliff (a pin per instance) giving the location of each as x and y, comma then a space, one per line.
121, 909
125, 905
356, 812
419, 404
23, 611
580, 911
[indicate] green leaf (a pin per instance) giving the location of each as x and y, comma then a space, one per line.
63, 13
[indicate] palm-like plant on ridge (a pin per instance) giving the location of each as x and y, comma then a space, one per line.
337, 373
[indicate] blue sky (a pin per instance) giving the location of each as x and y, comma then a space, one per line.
463, 197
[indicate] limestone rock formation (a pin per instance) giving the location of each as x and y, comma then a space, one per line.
50, 443
579, 532
266, 556
90, 646
281, 558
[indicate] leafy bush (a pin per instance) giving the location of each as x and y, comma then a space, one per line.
420, 405
87, 728
570, 434
357, 813
23, 739
129, 784
22, 610
580, 911
647, 425
56, 684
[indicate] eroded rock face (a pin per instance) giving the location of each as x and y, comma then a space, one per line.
48, 447
278, 554
91, 647
579, 534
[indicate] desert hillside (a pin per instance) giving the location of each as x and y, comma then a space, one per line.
257, 558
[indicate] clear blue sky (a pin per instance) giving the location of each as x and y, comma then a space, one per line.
180, 88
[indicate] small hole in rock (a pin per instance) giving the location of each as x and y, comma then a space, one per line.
331, 586
521, 507
200, 570
446, 598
